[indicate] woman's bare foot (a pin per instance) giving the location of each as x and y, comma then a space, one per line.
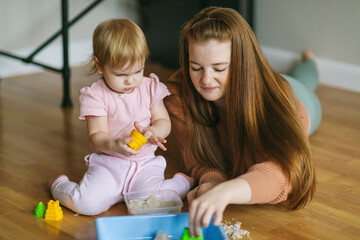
307, 54
189, 179
52, 180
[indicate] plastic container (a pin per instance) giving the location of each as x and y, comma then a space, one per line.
166, 196
146, 226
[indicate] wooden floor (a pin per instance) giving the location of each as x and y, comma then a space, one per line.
39, 140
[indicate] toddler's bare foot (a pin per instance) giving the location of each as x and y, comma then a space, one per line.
307, 54
189, 179
52, 180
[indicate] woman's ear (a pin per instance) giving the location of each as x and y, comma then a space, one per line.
98, 65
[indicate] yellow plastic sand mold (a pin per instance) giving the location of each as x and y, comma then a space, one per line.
53, 211
138, 140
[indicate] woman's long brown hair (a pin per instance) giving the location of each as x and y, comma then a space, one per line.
262, 116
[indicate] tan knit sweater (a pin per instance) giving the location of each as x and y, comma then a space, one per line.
267, 180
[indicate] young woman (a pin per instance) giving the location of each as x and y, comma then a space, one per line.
242, 131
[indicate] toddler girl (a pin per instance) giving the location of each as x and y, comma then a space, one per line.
119, 101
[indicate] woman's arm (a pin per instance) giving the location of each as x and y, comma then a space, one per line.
268, 183
263, 183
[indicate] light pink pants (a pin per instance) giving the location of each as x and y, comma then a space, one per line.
108, 178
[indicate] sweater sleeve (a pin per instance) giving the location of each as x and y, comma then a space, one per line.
268, 183
179, 127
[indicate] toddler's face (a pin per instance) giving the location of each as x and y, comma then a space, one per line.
123, 79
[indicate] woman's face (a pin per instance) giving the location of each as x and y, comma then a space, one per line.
209, 64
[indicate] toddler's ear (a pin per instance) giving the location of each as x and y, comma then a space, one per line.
98, 65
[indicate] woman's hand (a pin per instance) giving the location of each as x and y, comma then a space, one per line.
207, 200
199, 190
150, 134
212, 200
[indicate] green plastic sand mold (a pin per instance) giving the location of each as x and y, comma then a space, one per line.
186, 236
40, 210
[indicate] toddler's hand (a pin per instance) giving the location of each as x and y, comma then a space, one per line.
120, 146
151, 136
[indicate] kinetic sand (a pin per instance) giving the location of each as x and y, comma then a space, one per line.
151, 202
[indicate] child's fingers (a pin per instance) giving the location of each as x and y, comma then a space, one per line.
162, 146
159, 142
138, 127
127, 140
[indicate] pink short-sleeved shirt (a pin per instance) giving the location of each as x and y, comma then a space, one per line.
122, 110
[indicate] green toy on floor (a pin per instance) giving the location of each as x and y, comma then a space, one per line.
186, 236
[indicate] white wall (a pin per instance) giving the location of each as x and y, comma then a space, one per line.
27, 24
331, 28
284, 28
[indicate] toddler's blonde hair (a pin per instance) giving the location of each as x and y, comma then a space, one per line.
117, 42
